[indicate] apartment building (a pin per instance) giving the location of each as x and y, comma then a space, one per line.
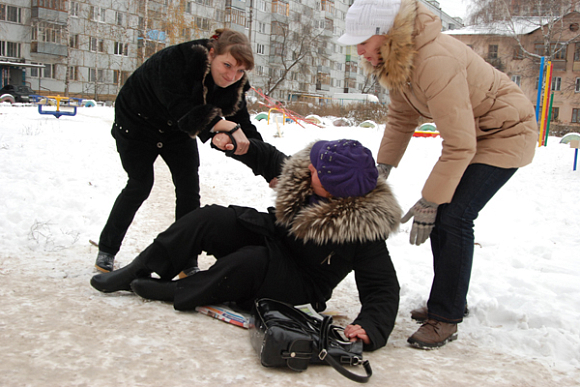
498, 46
88, 48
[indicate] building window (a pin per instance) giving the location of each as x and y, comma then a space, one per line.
121, 49
202, 22
492, 51
517, 80
10, 13
9, 49
575, 116
555, 114
120, 77
74, 8
93, 44
236, 16
261, 27
577, 85
119, 18
73, 73
97, 14
74, 41
262, 6
49, 71
59, 5
280, 8
556, 83
559, 52
261, 49
96, 75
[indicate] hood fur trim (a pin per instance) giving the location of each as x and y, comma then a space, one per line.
339, 220
397, 51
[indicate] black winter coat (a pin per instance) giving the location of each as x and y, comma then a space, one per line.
326, 241
174, 90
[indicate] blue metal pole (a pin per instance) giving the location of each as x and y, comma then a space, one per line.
540, 85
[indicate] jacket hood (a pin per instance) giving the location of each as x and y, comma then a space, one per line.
399, 48
338, 220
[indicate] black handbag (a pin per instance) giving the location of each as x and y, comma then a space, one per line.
284, 336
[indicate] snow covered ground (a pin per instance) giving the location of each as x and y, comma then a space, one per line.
58, 181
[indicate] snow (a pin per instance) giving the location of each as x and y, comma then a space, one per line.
58, 181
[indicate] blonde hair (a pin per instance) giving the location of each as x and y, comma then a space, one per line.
226, 41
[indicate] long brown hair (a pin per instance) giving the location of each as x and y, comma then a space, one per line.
235, 43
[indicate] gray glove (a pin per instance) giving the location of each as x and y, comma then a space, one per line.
384, 170
424, 214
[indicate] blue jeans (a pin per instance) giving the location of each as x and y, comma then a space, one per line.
452, 239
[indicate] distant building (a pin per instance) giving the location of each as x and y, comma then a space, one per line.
498, 46
89, 48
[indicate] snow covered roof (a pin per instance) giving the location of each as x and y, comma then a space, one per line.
519, 25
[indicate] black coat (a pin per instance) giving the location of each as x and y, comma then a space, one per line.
174, 91
322, 243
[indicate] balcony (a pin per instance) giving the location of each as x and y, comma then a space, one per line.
50, 15
48, 48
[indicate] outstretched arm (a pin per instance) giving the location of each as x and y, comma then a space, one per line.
264, 159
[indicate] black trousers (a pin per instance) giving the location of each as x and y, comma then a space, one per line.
241, 257
180, 153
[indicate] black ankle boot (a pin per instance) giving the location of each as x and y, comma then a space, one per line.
154, 289
120, 279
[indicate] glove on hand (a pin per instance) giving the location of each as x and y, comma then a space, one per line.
384, 170
424, 214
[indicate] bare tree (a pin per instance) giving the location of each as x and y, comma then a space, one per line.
516, 18
294, 44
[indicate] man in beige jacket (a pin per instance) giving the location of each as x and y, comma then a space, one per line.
488, 128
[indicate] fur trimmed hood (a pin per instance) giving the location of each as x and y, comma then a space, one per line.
338, 220
398, 50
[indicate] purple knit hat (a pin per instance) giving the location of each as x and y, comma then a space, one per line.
345, 167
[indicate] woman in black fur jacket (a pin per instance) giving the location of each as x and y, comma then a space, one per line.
185, 91
332, 216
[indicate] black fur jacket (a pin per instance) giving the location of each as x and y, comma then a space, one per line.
174, 90
327, 240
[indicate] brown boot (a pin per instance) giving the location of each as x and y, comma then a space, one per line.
433, 334
420, 314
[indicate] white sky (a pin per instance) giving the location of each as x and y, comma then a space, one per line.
455, 7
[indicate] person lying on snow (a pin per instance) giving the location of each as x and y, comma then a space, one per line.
332, 216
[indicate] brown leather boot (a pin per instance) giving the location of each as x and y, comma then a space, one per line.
420, 314
433, 334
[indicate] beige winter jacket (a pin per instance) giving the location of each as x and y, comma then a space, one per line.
482, 116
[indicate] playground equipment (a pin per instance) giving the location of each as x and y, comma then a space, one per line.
426, 130
368, 124
287, 113
574, 140
284, 117
66, 102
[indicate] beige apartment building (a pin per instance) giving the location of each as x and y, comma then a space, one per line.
497, 45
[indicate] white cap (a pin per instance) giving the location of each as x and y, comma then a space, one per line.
366, 18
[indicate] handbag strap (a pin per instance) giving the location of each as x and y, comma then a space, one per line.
324, 333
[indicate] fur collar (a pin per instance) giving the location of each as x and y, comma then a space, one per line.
339, 220
398, 50
227, 99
